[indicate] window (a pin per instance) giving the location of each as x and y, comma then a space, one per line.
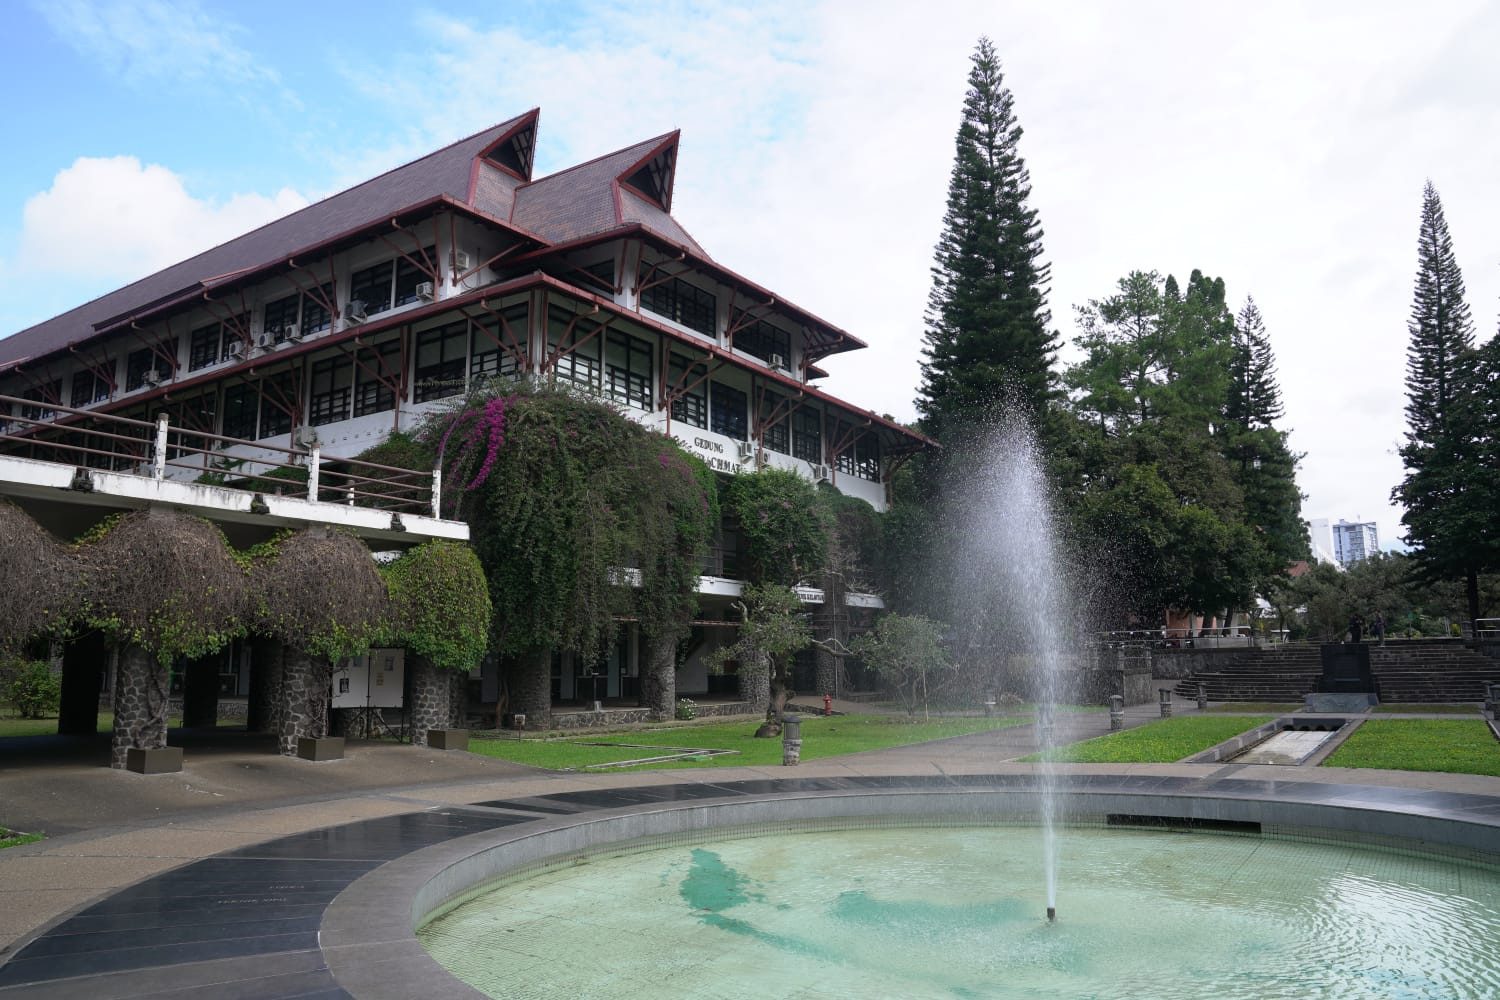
279, 395
372, 287
241, 403
328, 399
777, 436
765, 341
691, 407
487, 359
89, 386
48, 393
685, 303
604, 270
303, 310
627, 370
374, 394
409, 275
862, 458
440, 361
138, 363
728, 414
580, 365
213, 343
807, 435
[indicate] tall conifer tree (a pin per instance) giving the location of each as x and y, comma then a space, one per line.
1438, 491
987, 320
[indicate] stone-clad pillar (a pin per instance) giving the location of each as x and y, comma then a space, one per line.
530, 683
304, 698
659, 676
140, 704
430, 688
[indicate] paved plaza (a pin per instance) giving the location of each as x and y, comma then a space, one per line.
218, 880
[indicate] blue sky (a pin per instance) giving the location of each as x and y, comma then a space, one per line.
1281, 145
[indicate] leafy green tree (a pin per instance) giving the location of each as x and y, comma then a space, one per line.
774, 627
783, 524
906, 651
1443, 515
987, 318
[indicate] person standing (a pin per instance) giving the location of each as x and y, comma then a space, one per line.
1377, 628
1356, 627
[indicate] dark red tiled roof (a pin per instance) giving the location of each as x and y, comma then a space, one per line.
446, 171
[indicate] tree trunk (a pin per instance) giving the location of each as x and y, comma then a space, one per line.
530, 686
430, 690
140, 704
304, 698
263, 708
659, 676
84, 660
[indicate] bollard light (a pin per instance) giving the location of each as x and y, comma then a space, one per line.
1202, 697
791, 740
1166, 702
1116, 712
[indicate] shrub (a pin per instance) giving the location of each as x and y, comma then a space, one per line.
686, 709
34, 690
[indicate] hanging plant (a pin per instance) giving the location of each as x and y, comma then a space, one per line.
440, 604
317, 590
43, 581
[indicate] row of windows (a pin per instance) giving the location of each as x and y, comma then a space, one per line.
695, 308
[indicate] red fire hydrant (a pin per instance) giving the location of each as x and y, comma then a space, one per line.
828, 704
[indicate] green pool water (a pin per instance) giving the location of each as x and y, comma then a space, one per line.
958, 912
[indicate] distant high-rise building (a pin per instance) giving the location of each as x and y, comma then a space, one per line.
1320, 535
1354, 541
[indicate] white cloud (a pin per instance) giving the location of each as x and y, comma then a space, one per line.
149, 41
112, 220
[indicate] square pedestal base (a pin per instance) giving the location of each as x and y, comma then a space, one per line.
158, 760
448, 739
320, 747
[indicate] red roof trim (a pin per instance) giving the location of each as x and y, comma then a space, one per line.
527, 120
668, 142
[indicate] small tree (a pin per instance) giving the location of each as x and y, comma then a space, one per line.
906, 651
774, 629
32, 689
440, 613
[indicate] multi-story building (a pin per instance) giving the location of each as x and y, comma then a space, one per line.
357, 315
1343, 542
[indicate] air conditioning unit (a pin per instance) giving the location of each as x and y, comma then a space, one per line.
265, 340
747, 450
777, 361
237, 349
152, 377
822, 473
291, 332
461, 262
424, 291
354, 312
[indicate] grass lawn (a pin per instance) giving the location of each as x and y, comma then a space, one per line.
10, 838
1279, 707
1156, 742
1419, 708
821, 737
11, 725
1461, 746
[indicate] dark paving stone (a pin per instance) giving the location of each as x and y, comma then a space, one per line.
76, 944
539, 804
25, 969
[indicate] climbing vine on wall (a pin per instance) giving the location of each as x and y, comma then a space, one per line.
317, 590
579, 515
783, 525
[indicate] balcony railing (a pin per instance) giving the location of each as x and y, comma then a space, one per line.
719, 561
145, 448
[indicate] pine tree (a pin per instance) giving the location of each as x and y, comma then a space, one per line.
1438, 491
1254, 396
987, 335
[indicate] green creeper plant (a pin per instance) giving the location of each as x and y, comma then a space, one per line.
440, 604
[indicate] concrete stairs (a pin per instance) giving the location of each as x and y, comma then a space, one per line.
1405, 670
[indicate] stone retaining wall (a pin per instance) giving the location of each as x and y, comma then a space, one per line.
639, 716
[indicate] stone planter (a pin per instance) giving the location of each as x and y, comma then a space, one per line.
448, 739
158, 760
320, 747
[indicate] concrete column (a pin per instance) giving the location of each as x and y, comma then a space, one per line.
140, 704
659, 676
84, 663
200, 693
429, 697
263, 707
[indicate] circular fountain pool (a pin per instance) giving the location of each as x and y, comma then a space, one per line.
958, 912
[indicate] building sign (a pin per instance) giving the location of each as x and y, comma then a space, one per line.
712, 452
